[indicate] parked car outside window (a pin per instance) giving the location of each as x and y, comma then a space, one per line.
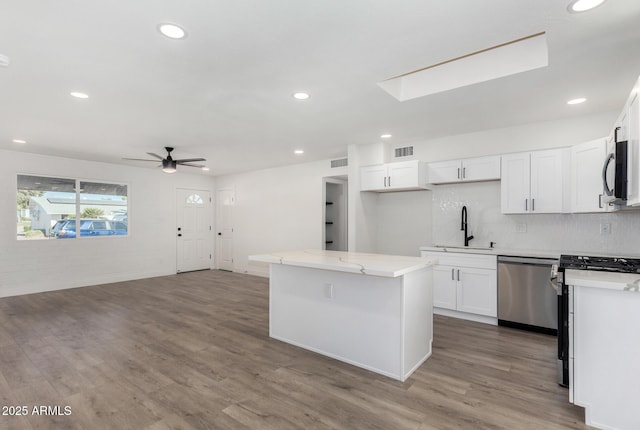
91, 227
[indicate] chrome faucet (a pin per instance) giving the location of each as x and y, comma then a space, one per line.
464, 226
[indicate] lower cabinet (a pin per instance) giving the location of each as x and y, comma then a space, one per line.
465, 283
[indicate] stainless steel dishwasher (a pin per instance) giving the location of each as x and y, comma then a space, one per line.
525, 297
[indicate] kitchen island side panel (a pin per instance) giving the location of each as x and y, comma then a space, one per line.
351, 317
418, 319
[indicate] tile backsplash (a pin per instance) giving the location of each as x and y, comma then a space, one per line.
569, 233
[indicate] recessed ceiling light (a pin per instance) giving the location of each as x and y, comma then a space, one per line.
578, 6
206, 169
4, 61
577, 101
172, 31
79, 95
385, 136
298, 152
19, 141
301, 96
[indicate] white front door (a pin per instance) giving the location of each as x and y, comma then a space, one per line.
193, 230
225, 200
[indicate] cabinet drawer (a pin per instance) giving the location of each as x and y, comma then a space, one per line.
459, 259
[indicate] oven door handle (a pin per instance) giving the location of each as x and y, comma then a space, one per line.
605, 167
553, 279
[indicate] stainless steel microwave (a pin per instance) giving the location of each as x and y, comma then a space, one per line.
614, 172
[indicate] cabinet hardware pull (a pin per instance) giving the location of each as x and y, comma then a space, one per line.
464, 173
458, 275
533, 205
452, 278
526, 205
385, 181
389, 180
458, 173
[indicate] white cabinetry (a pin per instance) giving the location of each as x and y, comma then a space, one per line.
469, 170
587, 160
535, 182
465, 285
633, 137
401, 176
604, 349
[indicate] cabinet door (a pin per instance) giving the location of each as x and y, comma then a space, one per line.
444, 287
444, 172
587, 160
515, 185
477, 291
405, 174
547, 181
373, 177
633, 137
481, 168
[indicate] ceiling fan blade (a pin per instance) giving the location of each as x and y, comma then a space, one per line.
192, 165
189, 160
155, 155
140, 159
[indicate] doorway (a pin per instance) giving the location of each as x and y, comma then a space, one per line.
334, 219
194, 214
225, 201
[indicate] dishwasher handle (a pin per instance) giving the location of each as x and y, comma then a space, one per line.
528, 260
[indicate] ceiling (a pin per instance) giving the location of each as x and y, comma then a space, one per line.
225, 91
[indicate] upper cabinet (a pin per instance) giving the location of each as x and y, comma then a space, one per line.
400, 176
535, 182
632, 109
587, 160
469, 170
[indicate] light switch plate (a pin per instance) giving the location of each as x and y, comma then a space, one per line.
605, 228
521, 227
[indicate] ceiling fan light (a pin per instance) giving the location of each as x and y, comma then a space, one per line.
168, 166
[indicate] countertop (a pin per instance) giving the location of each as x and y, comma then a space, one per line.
495, 251
605, 280
390, 266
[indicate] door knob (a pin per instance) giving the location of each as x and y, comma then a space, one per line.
179, 228
219, 234
179, 234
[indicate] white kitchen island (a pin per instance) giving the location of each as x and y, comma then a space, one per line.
369, 310
604, 347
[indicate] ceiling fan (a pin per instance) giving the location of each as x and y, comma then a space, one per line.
169, 165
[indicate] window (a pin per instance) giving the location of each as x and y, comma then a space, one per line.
47, 208
195, 199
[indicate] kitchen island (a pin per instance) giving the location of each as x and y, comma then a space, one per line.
369, 310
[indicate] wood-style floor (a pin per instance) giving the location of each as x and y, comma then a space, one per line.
192, 351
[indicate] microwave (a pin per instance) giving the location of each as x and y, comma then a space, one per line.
614, 172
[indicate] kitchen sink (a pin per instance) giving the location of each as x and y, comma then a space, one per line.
478, 248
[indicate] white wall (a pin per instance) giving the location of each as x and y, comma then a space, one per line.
149, 250
410, 220
277, 209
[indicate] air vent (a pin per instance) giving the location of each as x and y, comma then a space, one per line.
404, 152
339, 163
4, 61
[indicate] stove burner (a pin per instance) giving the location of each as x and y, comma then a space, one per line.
606, 264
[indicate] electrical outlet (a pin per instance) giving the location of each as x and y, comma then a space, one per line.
521, 227
328, 291
605, 228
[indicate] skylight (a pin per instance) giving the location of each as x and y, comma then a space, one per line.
516, 56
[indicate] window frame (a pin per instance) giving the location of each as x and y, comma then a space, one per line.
78, 204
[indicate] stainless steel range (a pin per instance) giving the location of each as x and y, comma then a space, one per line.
581, 262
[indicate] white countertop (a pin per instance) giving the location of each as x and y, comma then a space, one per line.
494, 251
391, 266
606, 280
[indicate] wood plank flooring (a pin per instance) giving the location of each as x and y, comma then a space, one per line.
192, 351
